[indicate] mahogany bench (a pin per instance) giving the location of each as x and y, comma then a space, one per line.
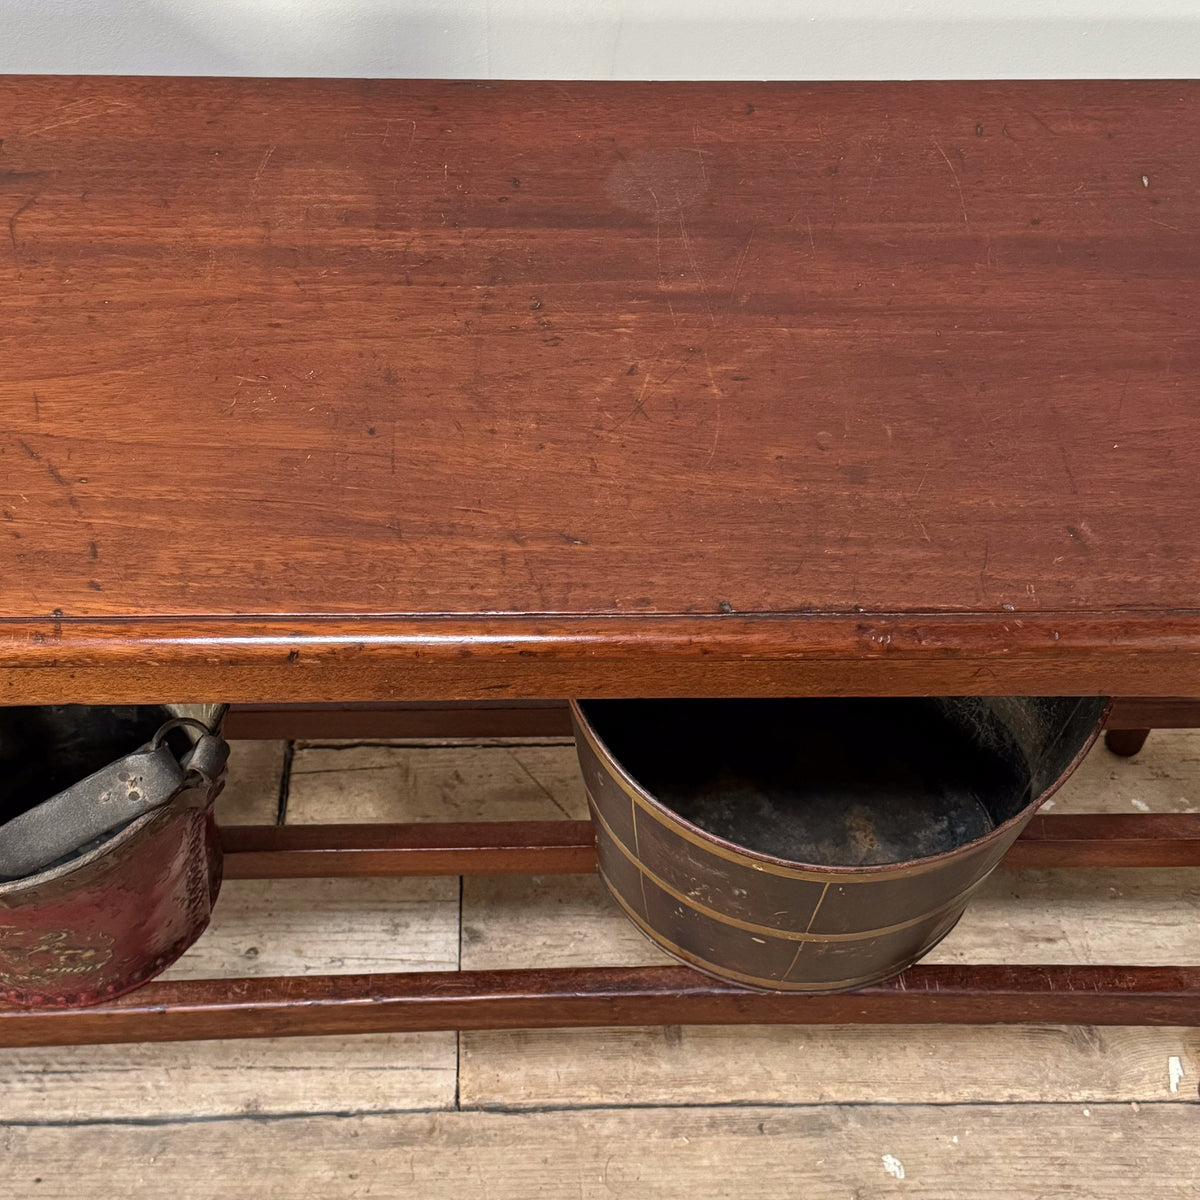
326, 392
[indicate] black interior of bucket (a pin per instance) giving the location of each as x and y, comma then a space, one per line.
48, 748
846, 782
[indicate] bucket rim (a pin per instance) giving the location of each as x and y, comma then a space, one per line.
127, 833
210, 715
795, 869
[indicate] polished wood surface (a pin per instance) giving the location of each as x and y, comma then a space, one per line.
422, 848
538, 389
431, 719
1126, 742
199, 1009
544, 718
1107, 840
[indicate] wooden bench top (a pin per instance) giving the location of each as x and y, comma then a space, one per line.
359, 390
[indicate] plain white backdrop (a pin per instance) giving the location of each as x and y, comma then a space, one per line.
607, 39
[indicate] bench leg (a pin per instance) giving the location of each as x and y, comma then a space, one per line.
1126, 742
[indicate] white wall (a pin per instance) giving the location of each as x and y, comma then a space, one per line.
600, 39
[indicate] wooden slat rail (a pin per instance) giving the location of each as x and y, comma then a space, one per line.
1162, 712
1108, 840
341, 1004
566, 847
464, 719
190, 1010
541, 718
426, 848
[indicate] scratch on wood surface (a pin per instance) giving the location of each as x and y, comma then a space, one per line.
737, 271
662, 278
716, 434
68, 490
12, 220
700, 154
687, 245
262, 166
1172, 228
1062, 452
639, 405
1082, 533
538, 783
648, 380
1043, 124
712, 379
90, 113
957, 184
917, 518
1121, 399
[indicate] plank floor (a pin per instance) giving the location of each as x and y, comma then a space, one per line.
763, 1111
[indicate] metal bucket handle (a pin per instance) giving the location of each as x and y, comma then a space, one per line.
140, 782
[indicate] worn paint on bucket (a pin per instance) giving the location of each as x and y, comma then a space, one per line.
815, 844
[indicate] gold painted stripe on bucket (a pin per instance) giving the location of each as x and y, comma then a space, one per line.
613, 771
771, 985
789, 935
636, 845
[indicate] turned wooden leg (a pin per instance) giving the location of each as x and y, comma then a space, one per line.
1126, 742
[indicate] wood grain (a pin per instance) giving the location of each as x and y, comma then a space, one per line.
251, 794
825, 1065
478, 848
258, 930
543, 388
1165, 779
386, 784
484, 657
1156, 712
430, 720
556, 998
1108, 840
162, 1083
544, 718
1028, 917
997, 1152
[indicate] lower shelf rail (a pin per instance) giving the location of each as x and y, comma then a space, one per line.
203, 1009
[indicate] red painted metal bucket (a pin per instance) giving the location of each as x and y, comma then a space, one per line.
112, 910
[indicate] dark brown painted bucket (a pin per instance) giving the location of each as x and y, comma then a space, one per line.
815, 845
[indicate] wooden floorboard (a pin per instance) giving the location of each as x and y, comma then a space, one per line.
537, 781
837, 1064
819, 1152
